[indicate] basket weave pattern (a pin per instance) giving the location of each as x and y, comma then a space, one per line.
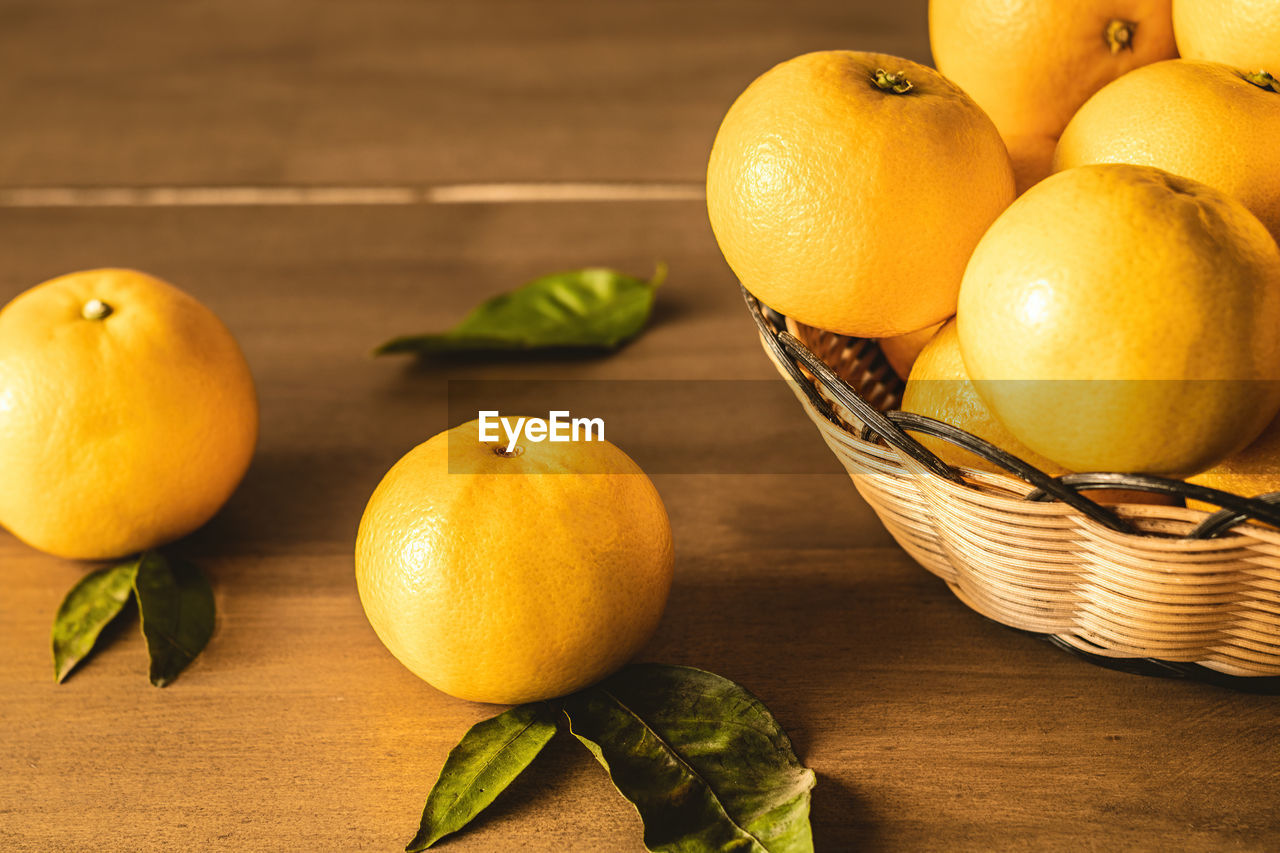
1046, 567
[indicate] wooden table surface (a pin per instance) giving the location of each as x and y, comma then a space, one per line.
325, 175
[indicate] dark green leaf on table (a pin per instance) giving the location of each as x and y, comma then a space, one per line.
176, 604
704, 762
487, 759
590, 308
89, 607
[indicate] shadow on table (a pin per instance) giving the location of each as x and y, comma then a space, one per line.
292, 500
815, 635
564, 780
840, 818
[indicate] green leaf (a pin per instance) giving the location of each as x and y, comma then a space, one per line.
175, 602
704, 762
90, 606
591, 308
487, 759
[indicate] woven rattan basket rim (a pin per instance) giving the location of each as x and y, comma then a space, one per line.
1162, 590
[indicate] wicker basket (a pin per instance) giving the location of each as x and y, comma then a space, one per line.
1157, 590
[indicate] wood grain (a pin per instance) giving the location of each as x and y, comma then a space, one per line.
292, 164
210, 92
929, 727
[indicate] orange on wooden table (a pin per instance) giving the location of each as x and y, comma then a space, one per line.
127, 414
510, 577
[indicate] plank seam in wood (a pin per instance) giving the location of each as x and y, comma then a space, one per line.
215, 196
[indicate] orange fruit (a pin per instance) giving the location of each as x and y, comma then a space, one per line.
901, 352
1031, 65
847, 190
1251, 472
1238, 32
1207, 121
1103, 278
939, 387
127, 414
1032, 158
508, 579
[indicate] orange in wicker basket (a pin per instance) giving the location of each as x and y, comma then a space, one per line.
1152, 589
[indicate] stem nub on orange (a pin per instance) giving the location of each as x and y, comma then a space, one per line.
1031, 65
